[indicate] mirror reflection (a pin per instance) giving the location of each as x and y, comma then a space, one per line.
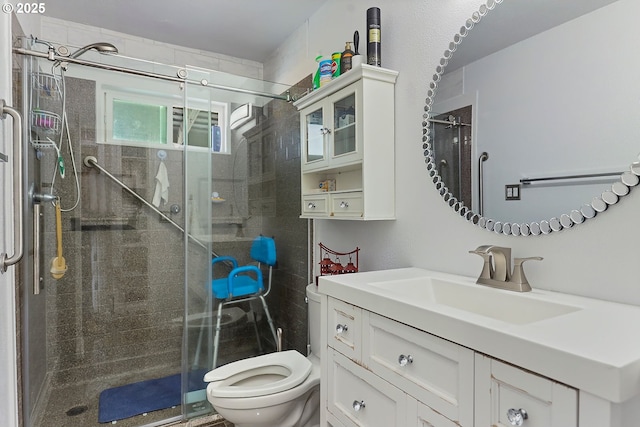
534, 113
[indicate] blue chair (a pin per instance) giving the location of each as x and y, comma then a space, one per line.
244, 283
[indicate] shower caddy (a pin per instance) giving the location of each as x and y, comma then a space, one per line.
45, 125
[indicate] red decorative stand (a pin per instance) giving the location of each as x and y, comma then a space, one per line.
330, 263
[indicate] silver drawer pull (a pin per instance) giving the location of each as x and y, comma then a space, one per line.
516, 417
340, 329
405, 360
344, 205
357, 406
311, 205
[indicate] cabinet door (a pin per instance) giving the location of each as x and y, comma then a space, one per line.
359, 398
504, 393
313, 133
344, 143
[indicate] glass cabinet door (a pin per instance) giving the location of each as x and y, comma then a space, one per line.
314, 137
344, 126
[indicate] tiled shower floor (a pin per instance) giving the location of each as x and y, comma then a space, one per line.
85, 396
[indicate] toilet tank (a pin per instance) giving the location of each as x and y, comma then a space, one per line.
314, 318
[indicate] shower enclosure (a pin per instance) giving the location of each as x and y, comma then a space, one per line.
156, 169
452, 147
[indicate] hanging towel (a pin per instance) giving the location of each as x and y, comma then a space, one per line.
162, 186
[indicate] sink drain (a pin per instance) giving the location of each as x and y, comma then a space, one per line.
77, 410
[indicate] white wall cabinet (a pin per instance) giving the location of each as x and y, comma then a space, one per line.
348, 138
378, 371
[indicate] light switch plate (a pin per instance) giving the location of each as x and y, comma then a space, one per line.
512, 192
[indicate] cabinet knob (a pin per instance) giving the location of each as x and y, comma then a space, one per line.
405, 360
325, 131
357, 406
516, 417
344, 205
341, 328
311, 205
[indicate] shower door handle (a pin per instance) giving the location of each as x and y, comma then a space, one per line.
18, 192
37, 213
483, 158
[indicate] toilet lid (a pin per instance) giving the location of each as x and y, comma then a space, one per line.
259, 376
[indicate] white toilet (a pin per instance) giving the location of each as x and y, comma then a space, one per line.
274, 390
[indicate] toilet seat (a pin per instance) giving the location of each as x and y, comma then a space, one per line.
259, 376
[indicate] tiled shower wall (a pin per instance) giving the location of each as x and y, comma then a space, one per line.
114, 310
274, 151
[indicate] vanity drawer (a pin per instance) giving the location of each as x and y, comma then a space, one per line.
421, 415
315, 204
349, 204
356, 397
436, 372
501, 387
345, 328
333, 421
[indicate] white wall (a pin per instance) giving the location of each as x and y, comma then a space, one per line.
595, 259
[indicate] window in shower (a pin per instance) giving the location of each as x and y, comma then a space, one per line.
134, 119
206, 129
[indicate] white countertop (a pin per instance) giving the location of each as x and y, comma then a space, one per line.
595, 349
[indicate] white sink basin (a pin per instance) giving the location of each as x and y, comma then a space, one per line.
507, 306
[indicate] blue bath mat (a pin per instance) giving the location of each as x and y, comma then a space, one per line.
145, 396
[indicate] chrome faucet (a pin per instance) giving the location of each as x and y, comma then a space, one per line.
496, 271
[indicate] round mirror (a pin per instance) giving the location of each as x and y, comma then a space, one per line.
533, 112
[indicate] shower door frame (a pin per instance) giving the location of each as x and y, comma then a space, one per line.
9, 404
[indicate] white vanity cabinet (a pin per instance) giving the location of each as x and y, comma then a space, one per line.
348, 142
431, 335
380, 372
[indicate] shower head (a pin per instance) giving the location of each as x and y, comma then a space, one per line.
101, 47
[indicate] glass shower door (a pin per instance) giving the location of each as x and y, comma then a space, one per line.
231, 192
103, 338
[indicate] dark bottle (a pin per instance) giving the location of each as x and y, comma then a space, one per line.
345, 59
373, 37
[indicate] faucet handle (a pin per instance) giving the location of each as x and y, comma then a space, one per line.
518, 276
487, 267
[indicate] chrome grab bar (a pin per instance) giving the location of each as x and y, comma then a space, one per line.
483, 158
18, 192
91, 161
